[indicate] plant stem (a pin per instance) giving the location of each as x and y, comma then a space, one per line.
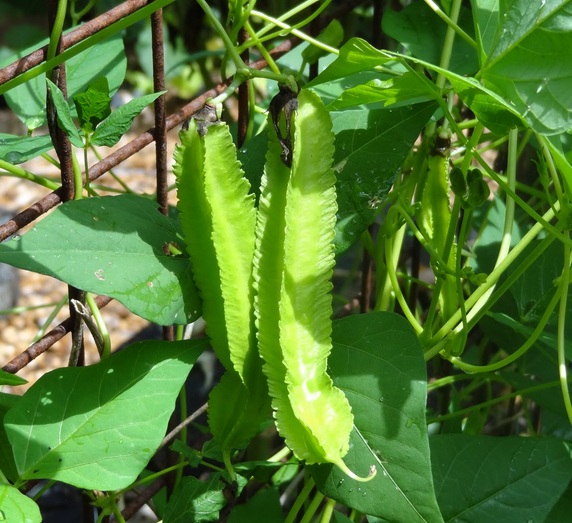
19, 172
562, 361
228, 43
290, 29
300, 500
289, 14
475, 301
57, 29
452, 21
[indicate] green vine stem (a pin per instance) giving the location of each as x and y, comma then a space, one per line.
300, 500
19, 172
312, 507
452, 21
475, 301
57, 29
101, 326
291, 30
468, 367
492, 402
281, 19
563, 287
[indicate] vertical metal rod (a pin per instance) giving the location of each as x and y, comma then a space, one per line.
63, 149
160, 131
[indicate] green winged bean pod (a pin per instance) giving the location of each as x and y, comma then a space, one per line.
218, 219
293, 267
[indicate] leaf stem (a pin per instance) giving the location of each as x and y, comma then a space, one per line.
291, 30
452, 21
300, 500
57, 29
561, 346
19, 172
229, 45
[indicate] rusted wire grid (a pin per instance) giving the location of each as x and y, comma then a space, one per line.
107, 24
157, 134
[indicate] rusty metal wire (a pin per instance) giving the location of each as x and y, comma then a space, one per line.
43, 344
89, 28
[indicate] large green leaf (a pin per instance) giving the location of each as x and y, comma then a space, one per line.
529, 62
106, 58
356, 55
16, 507
377, 361
97, 427
480, 478
422, 33
371, 146
114, 246
7, 464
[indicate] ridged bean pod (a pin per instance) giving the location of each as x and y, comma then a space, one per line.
293, 266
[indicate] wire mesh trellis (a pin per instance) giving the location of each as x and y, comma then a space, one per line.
163, 122
157, 134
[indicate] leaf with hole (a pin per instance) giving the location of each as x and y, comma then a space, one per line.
112, 245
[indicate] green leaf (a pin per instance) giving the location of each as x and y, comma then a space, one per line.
371, 146
18, 149
491, 109
6, 378
377, 361
486, 16
526, 63
16, 507
422, 33
560, 512
7, 463
194, 501
405, 88
480, 478
64, 117
28, 100
113, 246
93, 104
118, 122
355, 55
97, 427
332, 35
265, 501
236, 413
